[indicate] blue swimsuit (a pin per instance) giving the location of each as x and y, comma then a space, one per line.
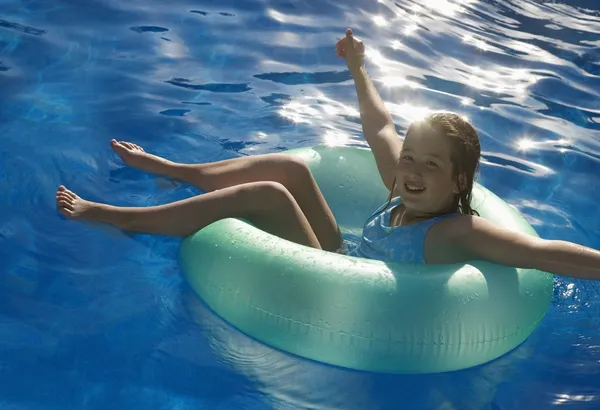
402, 244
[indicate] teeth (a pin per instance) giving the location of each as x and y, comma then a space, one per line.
414, 188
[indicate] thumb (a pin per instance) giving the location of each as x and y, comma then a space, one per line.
349, 37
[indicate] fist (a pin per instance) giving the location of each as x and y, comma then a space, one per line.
351, 49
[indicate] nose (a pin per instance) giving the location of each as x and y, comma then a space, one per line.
415, 170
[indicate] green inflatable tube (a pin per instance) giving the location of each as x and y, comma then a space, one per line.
359, 313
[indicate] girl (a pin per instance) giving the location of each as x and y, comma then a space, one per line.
428, 218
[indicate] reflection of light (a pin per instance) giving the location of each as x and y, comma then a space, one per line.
334, 138
476, 83
502, 79
298, 113
518, 165
565, 398
409, 112
316, 109
520, 74
330, 109
320, 111
377, 58
468, 38
173, 47
261, 135
481, 45
398, 82
448, 8
526, 48
380, 21
294, 19
564, 142
396, 45
414, 17
521, 88
525, 144
410, 29
465, 101
416, 8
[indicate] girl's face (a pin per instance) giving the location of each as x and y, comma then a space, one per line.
424, 174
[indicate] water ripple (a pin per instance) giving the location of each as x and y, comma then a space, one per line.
307, 78
19, 27
213, 87
150, 29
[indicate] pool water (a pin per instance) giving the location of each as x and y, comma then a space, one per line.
92, 318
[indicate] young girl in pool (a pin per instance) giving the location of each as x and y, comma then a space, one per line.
429, 175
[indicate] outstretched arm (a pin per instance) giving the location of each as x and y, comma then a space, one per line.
377, 123
483, 240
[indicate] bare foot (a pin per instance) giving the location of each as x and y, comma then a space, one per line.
135, 156
72, 206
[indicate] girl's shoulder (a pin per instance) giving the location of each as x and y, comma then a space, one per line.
451, 232
444, 238
458, 224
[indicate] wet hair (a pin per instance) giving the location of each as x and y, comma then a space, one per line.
465, 153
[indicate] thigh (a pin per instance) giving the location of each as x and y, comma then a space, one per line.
287, 170
299, 180
270, 206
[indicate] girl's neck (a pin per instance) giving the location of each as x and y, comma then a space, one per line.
406, 216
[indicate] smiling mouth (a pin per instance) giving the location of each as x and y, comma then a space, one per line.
413, 189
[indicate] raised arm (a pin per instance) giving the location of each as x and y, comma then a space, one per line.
483, 240
377, 123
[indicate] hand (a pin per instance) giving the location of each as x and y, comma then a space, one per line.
352, 49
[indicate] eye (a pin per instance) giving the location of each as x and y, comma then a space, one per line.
407, 158
431, 164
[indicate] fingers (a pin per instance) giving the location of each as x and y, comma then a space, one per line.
339, 48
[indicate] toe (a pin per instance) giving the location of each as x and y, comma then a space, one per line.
119, 147
128, 145
67, 195
62, 197
66, 212
63, 204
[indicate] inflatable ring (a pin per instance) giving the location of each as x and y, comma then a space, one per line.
359, 313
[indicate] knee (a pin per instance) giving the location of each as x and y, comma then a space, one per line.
294, 169
264, 195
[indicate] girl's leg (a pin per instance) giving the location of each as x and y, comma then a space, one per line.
287, 170
268, 205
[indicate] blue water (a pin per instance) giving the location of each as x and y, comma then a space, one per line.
93, 319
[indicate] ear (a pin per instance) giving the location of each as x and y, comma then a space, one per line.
461, 184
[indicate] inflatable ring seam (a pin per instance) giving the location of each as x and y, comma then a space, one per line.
398, 342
